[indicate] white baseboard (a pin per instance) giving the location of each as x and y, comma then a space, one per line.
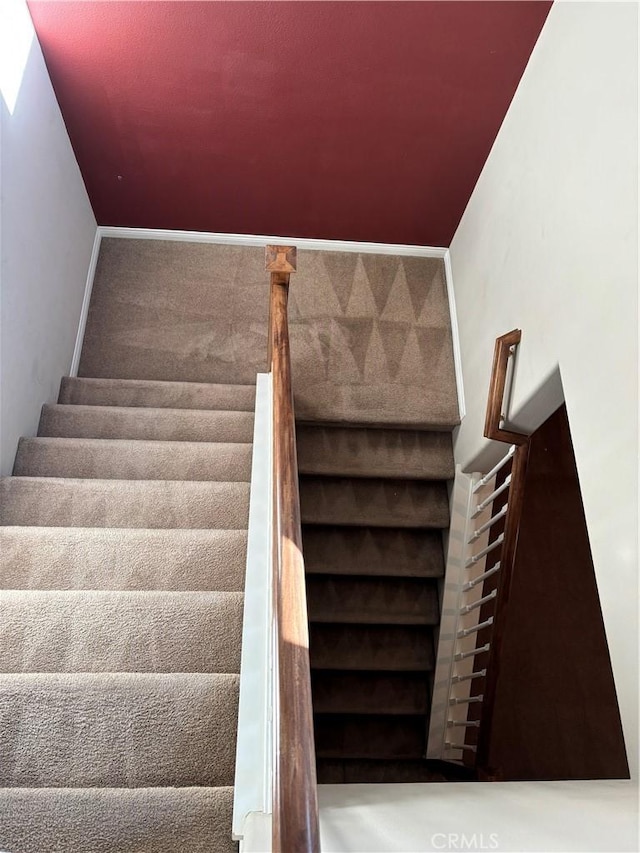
86, 299
455, 334
262, 240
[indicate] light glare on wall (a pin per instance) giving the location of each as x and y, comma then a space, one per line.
16, 36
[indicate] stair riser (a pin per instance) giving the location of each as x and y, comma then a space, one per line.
371, 551
145, 424
346, 736
132, 460
358, 452
373, 648
369, 693
373, 601
105, 820
120, 631
117, 730
373, 503
103, 558
56, 502
171, 395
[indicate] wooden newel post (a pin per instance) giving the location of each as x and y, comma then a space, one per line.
280, 261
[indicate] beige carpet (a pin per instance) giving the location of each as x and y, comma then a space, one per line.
122, 549
370, 334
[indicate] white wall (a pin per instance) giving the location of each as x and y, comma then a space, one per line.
548, 243
47, 235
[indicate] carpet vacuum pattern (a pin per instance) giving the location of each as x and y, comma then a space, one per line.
122, 550
123, 535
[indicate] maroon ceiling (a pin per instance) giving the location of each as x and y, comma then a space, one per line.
344, 120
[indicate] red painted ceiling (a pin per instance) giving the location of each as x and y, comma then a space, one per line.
344, 120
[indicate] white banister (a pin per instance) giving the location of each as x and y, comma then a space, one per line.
456, 679
478, 533
469, 607
466, 700
487, 550
465, 632
491, 474
481, 578
473, 652
490, 498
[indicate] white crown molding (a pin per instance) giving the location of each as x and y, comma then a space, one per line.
86, 299
263, 240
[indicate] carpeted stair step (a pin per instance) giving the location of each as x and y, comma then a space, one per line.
353, 771
369, 692
374, 502
358, 452
117, 729
378, 600
86, 631
59, 502
156, 395
115, 820
132, 460
119, 558
366, 736
147, 424
373, 551
390, 648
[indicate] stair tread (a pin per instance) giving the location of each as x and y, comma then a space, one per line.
156, 394
336, 771
377, 600
62, 502
117, 729
130, 459
369, 692
358, 452
122, 558
367, 736
374, 502
372, 551
371, 647
104, 820
159, 424
88, 631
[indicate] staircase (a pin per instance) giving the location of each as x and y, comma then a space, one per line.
374, 504
122, 552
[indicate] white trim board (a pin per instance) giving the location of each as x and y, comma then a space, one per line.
455, 334
86, 299
262, 240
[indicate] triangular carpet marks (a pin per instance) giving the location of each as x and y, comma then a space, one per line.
381, 271
341, 268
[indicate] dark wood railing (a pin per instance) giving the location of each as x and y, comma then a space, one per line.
295, 806
504, 349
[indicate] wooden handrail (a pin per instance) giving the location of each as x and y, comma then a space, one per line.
295, 806
504, 349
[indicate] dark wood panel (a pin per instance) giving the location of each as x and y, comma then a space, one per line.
556, 714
